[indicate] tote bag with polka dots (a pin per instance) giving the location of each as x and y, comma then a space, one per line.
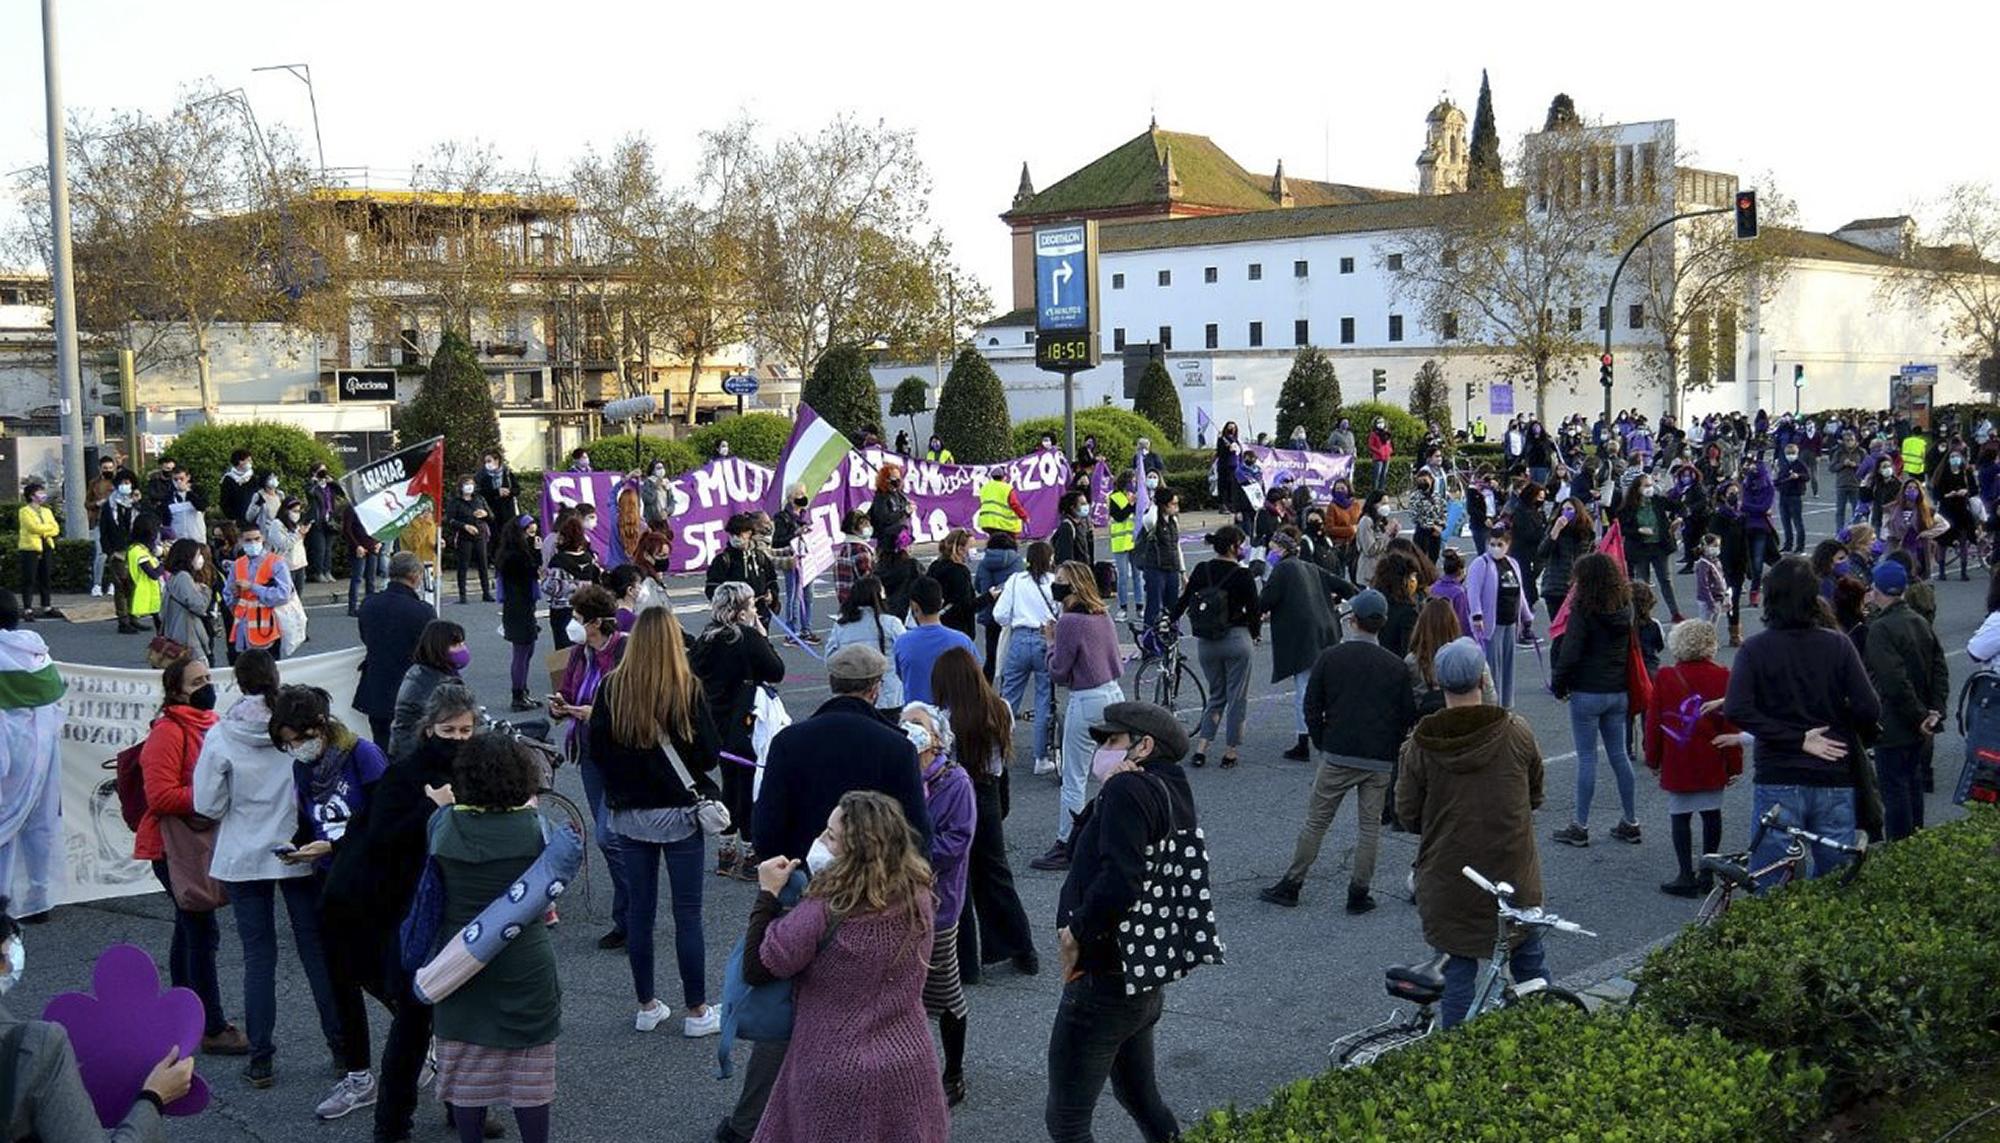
1171, 928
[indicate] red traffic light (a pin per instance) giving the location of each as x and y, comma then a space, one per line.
1744, 202
1605, 360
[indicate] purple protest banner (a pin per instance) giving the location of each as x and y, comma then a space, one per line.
1317, 469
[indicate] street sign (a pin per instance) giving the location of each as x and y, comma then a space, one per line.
1500, 399
365, 385
1063, 274
740, 385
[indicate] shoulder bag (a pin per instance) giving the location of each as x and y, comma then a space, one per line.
189, 845
1171, 928
712, 815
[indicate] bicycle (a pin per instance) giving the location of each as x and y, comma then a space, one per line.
1731, 871
1422, 984
1164, 670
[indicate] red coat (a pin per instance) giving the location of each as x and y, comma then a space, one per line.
1697, 765
167, 761
1381, 445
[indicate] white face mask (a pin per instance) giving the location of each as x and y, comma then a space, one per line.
918, 734
17, 962
819, 857
465, 490
575, 630
307, 750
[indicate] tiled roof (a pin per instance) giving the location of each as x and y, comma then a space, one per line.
1877, 223
1824, 247
1129, 176
1023, 316
1298, 222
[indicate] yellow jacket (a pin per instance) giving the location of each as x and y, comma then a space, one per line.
38, 528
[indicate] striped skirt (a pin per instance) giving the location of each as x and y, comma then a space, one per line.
472, 1075
943, 990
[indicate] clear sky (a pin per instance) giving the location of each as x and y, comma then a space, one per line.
1855, 110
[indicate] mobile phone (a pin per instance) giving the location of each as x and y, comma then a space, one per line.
282, 851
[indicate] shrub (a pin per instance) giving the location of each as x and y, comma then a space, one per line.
1430, 396
1542, 1071
842, 390
1116, 430
1884, 982
1187, 474
71, 573
290, 452
614, 454
456, 403
1310, 397
972, 418
1407, 430
912, 396
754, 436
1159, 402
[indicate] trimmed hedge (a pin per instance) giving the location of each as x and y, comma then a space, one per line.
1406, 430
71, 573
614, 454
753, 436
1116, 431
290, 452
1187, 474
1542, 1071
1886, 982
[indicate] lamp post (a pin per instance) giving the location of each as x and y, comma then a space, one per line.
304, 74
1249, 404
69, 380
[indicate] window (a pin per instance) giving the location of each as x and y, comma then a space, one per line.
1635, 315
1166, 277
1395, 261
1256, 271
1395, 327
1118, 340
1208, 275
1347, 331
1166, 337
1575, 318
1347, 265
1211, 335
1029, 337
1447, 326
1117, 281
1300, 268
1301, 332
1256, 334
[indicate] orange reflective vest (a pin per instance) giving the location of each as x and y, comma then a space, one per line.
256, 622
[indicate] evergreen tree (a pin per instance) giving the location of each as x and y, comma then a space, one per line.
1310, 397
972, 412
1430, 396
910, 398
457, 404
1159, 403
1562, 114
842, 390
1485, 172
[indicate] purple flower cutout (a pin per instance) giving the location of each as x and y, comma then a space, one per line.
125, 1028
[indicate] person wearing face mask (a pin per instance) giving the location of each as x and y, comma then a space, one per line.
579, 460
496, 486
142, 567
1026, 609
1711, 587
1647, 520
1952, 490
1909, 526
238, 492
468, 526
37, 543
185, 595
1495, 592
1085, 659
948, 796
854, 558
1885, 489
369, 890
101, 486
1343, 524
391, 625
266, 506
31, 723
936, 453
889, 512
1121, 509
1156, 554
440, 659
1847, 460
518, 560
791, 531
114, 535
1074, 538
742, 562
1793, 476
322, 519
570, 567
49, 1101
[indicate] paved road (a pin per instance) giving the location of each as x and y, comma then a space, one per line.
1295, 978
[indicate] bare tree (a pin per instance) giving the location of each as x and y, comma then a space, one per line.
1953, 269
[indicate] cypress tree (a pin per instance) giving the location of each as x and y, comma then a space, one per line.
457, 404
1562, 114
1485, 172
842, 390
1309, 397
972, 416
1159, 403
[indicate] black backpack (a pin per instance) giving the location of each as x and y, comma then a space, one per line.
1208, 612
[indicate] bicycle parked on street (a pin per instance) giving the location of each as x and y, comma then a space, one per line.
1422, 984
1732, 873
1165, 674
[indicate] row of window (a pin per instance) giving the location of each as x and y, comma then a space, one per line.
1210, 275
1301, 333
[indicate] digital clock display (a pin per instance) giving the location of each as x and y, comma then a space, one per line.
1066, 351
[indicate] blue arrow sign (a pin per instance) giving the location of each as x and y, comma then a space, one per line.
1062, 284
740, 385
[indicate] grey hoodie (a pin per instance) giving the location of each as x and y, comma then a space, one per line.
245, 784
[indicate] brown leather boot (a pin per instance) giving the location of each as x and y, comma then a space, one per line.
1736, 633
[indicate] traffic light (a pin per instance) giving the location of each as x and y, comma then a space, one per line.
1381, 383
1746, 214
1468, 392
1798, 376
1604, 371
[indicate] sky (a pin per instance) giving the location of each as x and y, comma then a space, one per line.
1852, 112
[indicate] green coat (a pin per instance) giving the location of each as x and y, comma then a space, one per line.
516, 1000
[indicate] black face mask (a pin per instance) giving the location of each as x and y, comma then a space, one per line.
1059, 592
203, 697
800, 502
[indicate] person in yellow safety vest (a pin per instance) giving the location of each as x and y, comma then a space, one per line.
937, 453
258, 582
1914, 449
1479, 429
1122, 507
1000, 509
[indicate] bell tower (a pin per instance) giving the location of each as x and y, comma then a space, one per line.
1442, 167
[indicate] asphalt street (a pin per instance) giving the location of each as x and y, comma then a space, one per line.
1294, 980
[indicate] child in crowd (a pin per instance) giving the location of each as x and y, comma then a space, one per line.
1711, 590
1692, 748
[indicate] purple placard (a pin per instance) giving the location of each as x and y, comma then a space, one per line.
123, 1026
1500, 399
1317, 469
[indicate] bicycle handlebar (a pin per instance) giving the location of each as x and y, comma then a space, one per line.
1772, 820
1473, 876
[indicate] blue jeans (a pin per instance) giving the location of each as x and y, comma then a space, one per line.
1461, 975
1899, 769
1299, 683
1028, 655
368, 566
609, 844
255, 906
191, 958
684, 859
1825, 810
1085, 708
1381, 475
1758, 541
1845, 502
1163, 589
1130, 594
798, 602
1592, 716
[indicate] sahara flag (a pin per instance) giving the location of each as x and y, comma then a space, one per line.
810, 458
389, 493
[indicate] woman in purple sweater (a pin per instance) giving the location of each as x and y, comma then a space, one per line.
954, 815
1084, 657
1759, 495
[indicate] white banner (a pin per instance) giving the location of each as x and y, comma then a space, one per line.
105, 710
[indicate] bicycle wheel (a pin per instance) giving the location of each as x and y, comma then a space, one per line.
560, 813
1713, 905
1355, 1051
1150, 683
1189, 693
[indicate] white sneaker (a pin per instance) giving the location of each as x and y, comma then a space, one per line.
97, 589
708, 1023
651, 1018
355, 1090
1044, 766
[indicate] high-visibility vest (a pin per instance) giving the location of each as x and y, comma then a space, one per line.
1122, 531
940, 456
1914, 447
256, 622
995, 513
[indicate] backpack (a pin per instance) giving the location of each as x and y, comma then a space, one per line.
1208, 613
131, 781
556, 586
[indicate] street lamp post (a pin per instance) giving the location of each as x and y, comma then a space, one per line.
69, 381
304, 74
1611, 292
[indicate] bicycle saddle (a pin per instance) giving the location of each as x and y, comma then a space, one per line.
1417, 983
1728, 870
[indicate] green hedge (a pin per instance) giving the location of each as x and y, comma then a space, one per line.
754, 436
72, 570
290, 452
614, 454
1116, 429
1542, 1071
1404, 428
1187, 473
1886, 982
